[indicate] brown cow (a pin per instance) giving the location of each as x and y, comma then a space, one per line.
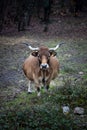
41, 66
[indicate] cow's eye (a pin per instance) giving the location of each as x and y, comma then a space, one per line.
38, 55
49, 56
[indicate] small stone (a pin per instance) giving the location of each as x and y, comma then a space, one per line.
66, 110
81, 73
53, 83
21, 81
79, 110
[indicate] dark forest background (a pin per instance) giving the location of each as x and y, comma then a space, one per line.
20, 12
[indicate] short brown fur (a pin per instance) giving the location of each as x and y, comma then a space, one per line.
33, 71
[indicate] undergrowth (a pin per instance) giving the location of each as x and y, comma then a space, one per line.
29, 112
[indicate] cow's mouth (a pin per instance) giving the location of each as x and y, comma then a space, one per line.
44, 66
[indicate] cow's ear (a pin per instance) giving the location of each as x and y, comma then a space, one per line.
34, 53
53, 53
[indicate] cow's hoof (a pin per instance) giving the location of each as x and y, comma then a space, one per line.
38, 94
29, 92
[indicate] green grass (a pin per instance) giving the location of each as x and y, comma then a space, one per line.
29, 112
45, 112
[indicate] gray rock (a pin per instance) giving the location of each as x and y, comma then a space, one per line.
79, 110
81, 73
66, 110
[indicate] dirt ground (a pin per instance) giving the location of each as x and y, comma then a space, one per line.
66, 29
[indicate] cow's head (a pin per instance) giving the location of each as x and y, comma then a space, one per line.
43, 54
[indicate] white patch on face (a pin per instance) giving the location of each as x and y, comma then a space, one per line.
47, 66
44, 64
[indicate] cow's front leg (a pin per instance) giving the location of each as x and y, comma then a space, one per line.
37, 85
29, 87
45, 84
38, 91
47, 87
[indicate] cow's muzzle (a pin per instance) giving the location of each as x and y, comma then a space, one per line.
44, 66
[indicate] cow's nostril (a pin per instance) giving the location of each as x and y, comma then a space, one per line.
44, 66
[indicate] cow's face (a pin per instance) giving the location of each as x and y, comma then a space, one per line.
44, 55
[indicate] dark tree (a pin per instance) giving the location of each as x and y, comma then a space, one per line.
21, 11
45, 7
30, 10
25, 10
3, 6
76, 6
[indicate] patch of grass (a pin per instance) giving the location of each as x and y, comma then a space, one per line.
29, 112
45, 112
38, 117
69, 69
74, 94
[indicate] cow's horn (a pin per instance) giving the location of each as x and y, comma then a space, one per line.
33, 49
55, 48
